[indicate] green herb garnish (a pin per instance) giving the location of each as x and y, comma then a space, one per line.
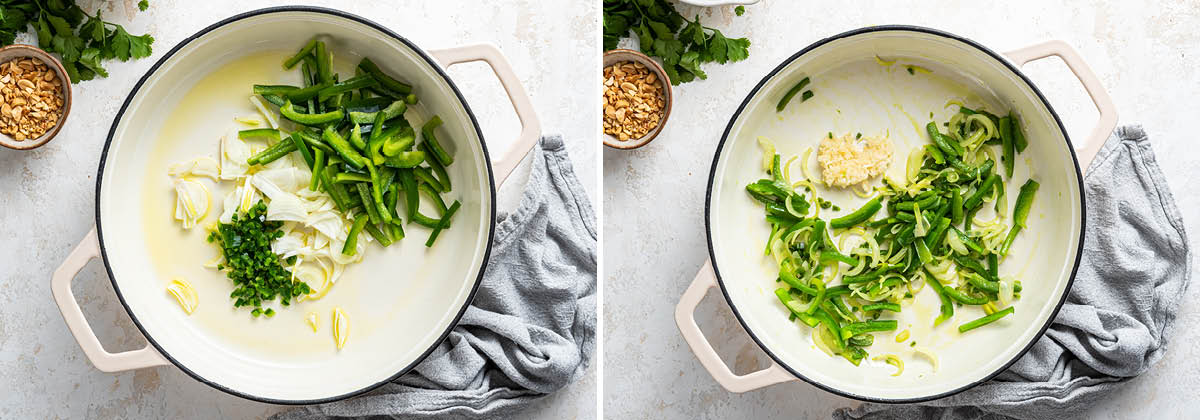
740, 10
256, 271
662, 32
143, 5
83, 41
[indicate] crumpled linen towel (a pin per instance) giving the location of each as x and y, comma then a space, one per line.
1135, 268
530, 330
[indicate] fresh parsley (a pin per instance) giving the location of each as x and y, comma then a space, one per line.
740, 10
682, 45
145, 4
81, 40
257, 272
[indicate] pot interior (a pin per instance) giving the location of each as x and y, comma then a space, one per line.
401, 300
854, 92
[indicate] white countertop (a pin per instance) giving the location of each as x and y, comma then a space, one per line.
47, 204
654, 241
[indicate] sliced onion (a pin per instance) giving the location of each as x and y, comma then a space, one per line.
768, 152
928, 354
1006, 290
915, 159
922, 224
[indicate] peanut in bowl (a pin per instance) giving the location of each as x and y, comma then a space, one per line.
35, 97
636, 99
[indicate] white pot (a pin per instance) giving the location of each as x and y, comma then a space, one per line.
412, 297
853, 93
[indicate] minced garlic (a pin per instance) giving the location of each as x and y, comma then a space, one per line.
850, 160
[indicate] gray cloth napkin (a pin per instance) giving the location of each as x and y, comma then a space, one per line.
532, 326
1135, 268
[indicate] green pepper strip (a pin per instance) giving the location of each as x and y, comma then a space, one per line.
373, 104
383, 238
986, 320
356, 139
396, 109
857, 328
364, 194
336, 191
307, 93
972, 265
1018, 137
442, 177
343, 148
933, 240
1008, 146
922, 251
386, 81
270, 134
345, 177
276, 90
438, 152
401, 141
863, 278
319, 165
438, 203
351, 245
925, 203
792, 280
305, 152
864, 213
442, 224
881, 306
354, 83
1020, 213
793, 306
787, 97
834, 256
947, 310
951, 149
377, 194
987, 285
409, 184
986, 188
313, 140
397, 225
963, 298
956, 206
405, 159
324, 64
280, 101
288, 111
272, 153
291, 62
936, 153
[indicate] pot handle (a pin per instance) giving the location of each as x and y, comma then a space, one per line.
1104, 104
60, 285
685, 318
531, 128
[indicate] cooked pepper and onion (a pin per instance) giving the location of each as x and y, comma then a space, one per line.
921, 230
332, 165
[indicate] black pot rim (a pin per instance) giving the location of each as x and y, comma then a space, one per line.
357, 19
708, 223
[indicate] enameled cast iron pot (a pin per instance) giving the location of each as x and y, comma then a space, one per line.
437, 285
856, 92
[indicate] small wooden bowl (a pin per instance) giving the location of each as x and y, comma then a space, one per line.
621, 55
18, 51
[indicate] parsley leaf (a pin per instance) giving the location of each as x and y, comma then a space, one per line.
82, 41
145, 4
683, 45
740, 10
126, 45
